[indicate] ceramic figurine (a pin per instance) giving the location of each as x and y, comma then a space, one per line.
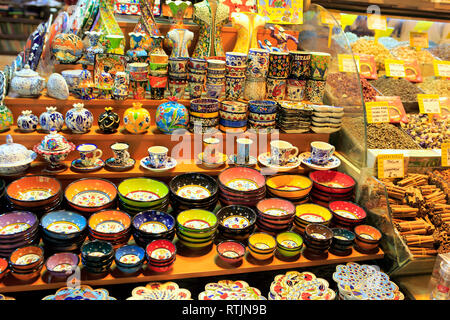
137, 53
51, 119
27, 83
6, 118
79, 119
136, 119
27, 121
14, 158
120, 88
67, 48
94, 46
180, 40
108, 121
86, 87
106, 82
57, 87
54, 148
178, 9
247, 25
171, 116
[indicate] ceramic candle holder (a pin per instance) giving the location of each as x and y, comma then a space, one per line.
300, 65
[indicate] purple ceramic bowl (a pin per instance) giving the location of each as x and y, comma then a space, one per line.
62, 264
16, 220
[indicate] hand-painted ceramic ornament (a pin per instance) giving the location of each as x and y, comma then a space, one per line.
54, 148
94, 46
27, 83
136, 119
106, 83
57, 87
137, 53
108, 121
180, 40
67, 48
79, 119
171, 116
121, 84
51, 119
6, 118
14, 158
27, 121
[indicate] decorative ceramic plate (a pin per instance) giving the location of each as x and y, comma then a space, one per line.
230, 290
306, 159
80, 293
265, 160
91, 198
221, 159
160, 291
14, 228
142, 195
78, 166
153, 227
192, 191
111, 164
252, 161
63, 227
170, 164
235, 222
241, 184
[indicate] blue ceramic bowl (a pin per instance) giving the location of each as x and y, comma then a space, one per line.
342, 240
262, 106
63, 225
150, 222
129, 259
233, 124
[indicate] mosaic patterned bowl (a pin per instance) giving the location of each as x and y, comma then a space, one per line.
289, 244
63, 225
26, 259
33, 191
290, 186
153, 222
231, 251
129, 259
193, 188
91, 194
62, 264
17, 224
142, 192
332, 181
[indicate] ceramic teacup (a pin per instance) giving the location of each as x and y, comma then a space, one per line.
89, 153
243, 150
157, 156
210, 149
121, 154
281, 152
321, 152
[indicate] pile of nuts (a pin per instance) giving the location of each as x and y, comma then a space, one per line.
344, 89
364, 46
429, 135
406, 52
432, 85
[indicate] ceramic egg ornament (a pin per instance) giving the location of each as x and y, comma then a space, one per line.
57, 87
27, 121
136, 118
171, 116
51, 119
79, 119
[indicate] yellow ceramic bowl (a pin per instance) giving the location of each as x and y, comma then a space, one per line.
312, 213
289, 185
261, 242
260, 256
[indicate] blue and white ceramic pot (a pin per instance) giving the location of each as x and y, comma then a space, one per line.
171, 116
79, 119
27, 83
51, 119
27, 121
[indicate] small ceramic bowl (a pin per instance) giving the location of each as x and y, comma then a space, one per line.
26, 258
367, 238
9, 221
231, 251
342, 241
63, 225
33, 191
236, 218
261, 242
3, 267
160, 251
111, 223
262, 106
196, 245
62, 264
153, 222
318, 237
97, 251
289, 244
31, 274
196, 221
332, 181
90, 194
197, 240
310, 213
347, 212
275, 209
289, 186
242, 180
142, 192
129, 259
234, 107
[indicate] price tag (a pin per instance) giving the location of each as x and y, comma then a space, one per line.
445, 154
418, 39
347, 19
347, 64
395, 68
377, 111
441, 68
376, 22
429, 103
391, 166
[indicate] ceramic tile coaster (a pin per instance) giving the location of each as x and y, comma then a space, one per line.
230, 290
160, 291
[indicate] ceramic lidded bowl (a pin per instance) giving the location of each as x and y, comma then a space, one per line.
27, 121
51, 119
27, 83
14, 158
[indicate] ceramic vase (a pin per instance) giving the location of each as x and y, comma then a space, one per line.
180, 40
51, 119
136, 119
158, 86
114, 43
171, 116
108, 121
147, 23
178, 9
79, 119
27, 121
57, 87
156, 48
177, 87
137, 53
276, 89
94, 46
120, 88
247, 25
257, 63
6, 118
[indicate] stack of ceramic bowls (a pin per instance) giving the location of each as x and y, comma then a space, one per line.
62, 264
347, 214
241, 186
256, 73
215, 78
261, 246
262, 115
236, 64
152, 225
97, 256
178, 76
161, 255
326, 119
236, 222
63, 231
318, 240
342, 242
329, 185
277, 74
289, 244
17, 229
203, 115
367, 238
233, 116
113, 226
91, 195
129, 259
26, 263
275, 215
196, 228
292, 187
196, 77
38, 194
158, 75
141, 194
315, 85
294, 117
310, 213
193, 190
230, 251
4, 269
299, 72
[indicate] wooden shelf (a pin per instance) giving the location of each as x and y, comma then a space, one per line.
186, 265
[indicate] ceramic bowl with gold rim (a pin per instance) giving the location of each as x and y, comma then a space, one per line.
289, 244
193, 187
63, 225
289, 185
91, 194
142, 192
26, 258
33, 191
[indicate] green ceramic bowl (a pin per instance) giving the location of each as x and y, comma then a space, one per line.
196, 235
142, 192
289, 244
194, 240
197, 221
192, 245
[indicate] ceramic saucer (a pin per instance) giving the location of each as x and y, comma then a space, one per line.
264, 159
78, 166
232, 160
170, 164
306, 159
111, 164
222, 158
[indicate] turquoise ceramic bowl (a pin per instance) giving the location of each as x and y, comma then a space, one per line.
142, 192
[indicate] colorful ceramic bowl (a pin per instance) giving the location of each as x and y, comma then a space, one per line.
367, 238
26, 259
160, 251
204, 105
342, 242
129, 259
310, 213
193, 187
153, 222
33, 191
236, 218
3, 267
63, 225
276, 209
17, 224
97, 251
109, 222
29, 274
91, 194
289, 185
289, 244
262, 106
318, 238
231, 251
142, 192
242, 180
261, 242
197, 221
62, 264
332, 181
347, 212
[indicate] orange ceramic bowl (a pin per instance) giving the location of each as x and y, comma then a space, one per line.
290, 186
26, 258
91, 194
367, 238
33, 191
109, 222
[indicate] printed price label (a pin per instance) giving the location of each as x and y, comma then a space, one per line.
346, 63
377, 111
395, 68
441, 68
429, 103
391, 166
376, 22
445, 154
418, 39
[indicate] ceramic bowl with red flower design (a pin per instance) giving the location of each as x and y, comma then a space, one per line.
91, 194
193, 190
231, 251
330, 181
26, 258
34, 191
347, 214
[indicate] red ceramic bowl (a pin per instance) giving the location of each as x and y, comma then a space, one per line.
161, 269
109, 223
90, 195
241, 176
332, 181
231, 251
226, 192
34, 191
160, 251
26, 258
276, 209
330, 198
347, 212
